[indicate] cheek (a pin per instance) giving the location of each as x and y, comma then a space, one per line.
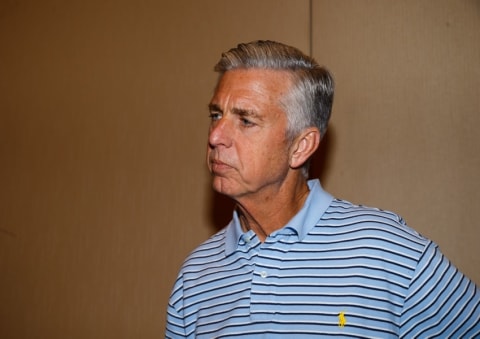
263, 155
273, 157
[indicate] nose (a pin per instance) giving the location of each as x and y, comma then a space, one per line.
220, 133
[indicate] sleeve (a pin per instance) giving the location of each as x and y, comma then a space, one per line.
175, 319
441, 301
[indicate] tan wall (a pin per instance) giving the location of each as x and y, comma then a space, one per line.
103, 129
102, 134
407, 111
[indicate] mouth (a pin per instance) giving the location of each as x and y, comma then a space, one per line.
218, 167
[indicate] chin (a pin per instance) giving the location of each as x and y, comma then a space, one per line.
222, 186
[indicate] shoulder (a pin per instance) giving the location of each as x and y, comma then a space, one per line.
210, 249
367, 231
200, 259
343, 216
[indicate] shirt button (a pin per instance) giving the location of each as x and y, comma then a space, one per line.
263, 274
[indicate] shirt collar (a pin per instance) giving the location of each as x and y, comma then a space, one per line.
315, 205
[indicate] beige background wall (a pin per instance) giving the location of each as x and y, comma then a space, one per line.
103, 123
405, 123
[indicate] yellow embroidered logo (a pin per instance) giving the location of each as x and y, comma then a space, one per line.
341, 319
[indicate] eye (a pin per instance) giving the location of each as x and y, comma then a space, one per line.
245, 122
214, 116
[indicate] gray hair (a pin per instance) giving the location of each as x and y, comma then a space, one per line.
309, 102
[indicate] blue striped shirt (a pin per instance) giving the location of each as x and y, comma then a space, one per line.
336, 269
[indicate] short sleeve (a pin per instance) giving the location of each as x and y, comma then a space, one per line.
441, 301
175, 320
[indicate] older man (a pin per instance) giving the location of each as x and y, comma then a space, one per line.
294, 261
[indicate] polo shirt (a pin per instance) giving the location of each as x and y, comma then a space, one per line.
334, 270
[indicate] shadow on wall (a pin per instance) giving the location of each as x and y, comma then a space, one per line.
320, 165
221, 207
221, 210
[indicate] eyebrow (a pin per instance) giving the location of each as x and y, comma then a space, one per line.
246, 113
237, 111
214, 108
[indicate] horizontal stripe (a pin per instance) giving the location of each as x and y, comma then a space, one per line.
364, 263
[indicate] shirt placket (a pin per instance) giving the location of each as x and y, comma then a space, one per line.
262, 296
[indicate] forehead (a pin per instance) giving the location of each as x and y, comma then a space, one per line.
253, 85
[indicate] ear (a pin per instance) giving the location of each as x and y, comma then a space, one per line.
303, 147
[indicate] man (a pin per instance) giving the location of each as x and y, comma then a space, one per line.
295, 262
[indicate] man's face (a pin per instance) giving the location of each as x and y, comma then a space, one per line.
248, 152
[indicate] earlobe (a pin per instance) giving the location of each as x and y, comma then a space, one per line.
304, 146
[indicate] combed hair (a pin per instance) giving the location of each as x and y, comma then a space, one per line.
309, 102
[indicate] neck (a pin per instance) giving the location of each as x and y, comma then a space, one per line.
264, 215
